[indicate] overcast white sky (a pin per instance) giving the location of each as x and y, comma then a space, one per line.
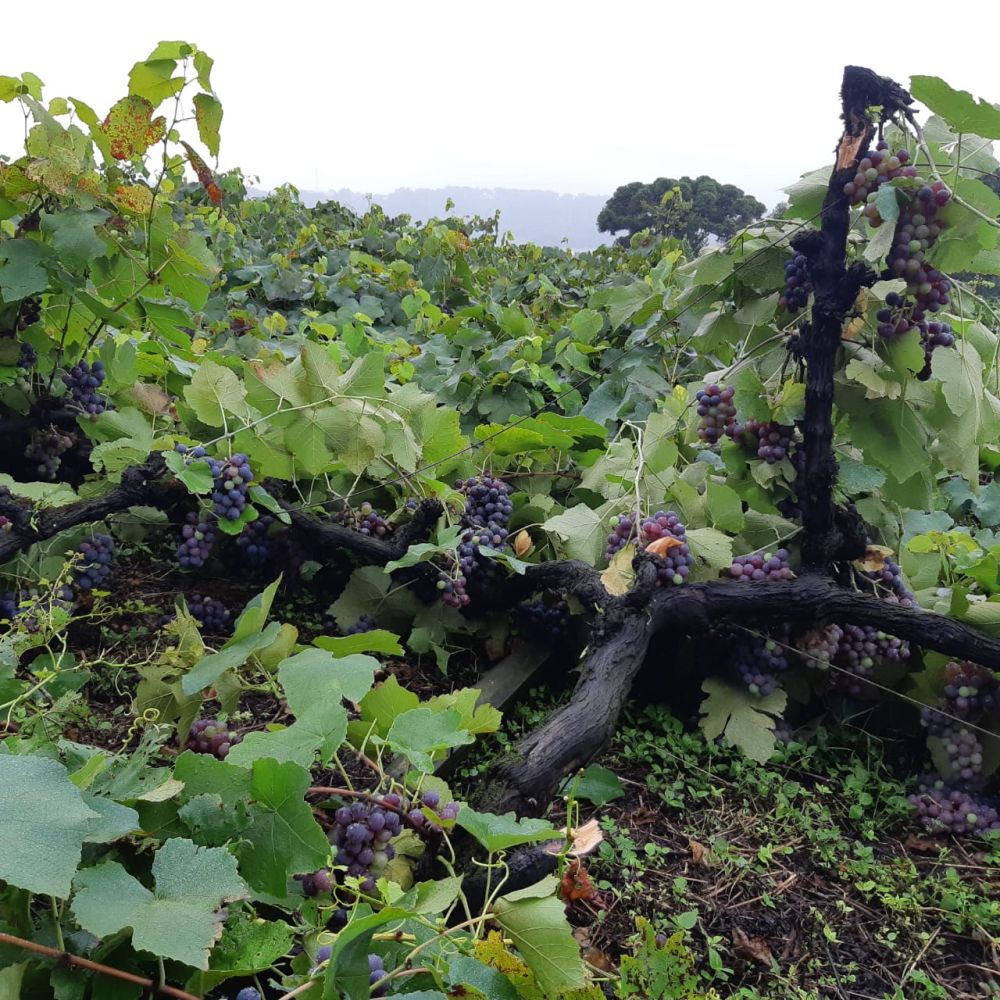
568, 96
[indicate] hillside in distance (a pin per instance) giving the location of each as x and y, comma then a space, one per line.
543, 217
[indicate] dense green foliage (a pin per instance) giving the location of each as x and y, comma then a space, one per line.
689, 209
363, 359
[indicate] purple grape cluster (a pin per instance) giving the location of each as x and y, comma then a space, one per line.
197, 538
431, 800
364, 624
770, 440
917, 229
451, 589
970, 690
212, 736
232, 482
762, 566
622, 532
213, 616
774, 441
362, 834
254, 542
371, 523
945, 808
717, 412
83, 381
249, 993
541, 619
94, 567
675, 564
797, 286
856, 656
888, 583
874, 170
46, 447
487, 506
376, 973
487, 511
28, 357
964, 752
314, 883
819, 646
758, 662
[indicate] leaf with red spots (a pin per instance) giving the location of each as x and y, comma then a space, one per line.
131, 128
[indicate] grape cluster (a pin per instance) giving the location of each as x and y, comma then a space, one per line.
622, 532
83, 381
970, 690
487, 505
432, 801
232, 482
248, 993
197, 538
487, 511
772, 441
917, 229
819, 646
758, 566
94, 567
212, 736
797, 286
758, 661
888, 583
537, 618
29, 312
28, 357
364, 624
673, 565
944, 807
213, 616
362, 834
371, 523
47, 446
964, 752
254, 542
376, 973
856, 656
717, 412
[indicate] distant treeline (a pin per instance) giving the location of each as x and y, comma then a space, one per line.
542, 217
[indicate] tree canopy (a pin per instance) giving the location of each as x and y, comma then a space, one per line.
690, 209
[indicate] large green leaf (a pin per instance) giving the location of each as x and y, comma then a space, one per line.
544, 939
44, 822
957, 107
283, 836
746, 721
181, 918
497, 833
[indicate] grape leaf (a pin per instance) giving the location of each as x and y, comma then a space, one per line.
44, 821
596, 784
181, 919
421, 733
957, 107
746, 721
542, 936
497, 833
283, 836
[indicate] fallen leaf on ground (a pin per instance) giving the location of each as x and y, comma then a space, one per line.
754, 949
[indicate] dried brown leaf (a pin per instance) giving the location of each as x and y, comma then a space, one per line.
754, 949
